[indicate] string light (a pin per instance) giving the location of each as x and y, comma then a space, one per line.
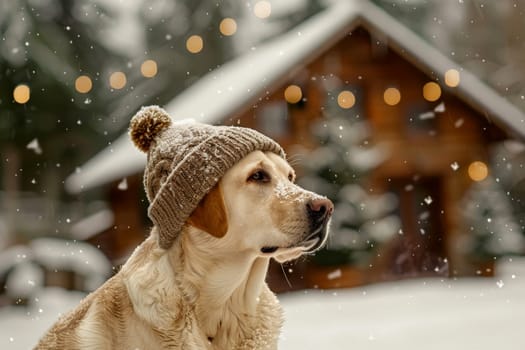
293, 94
392, 96
83, 84
22, 93
228, 26
431, 91
478, 171
148, 68
262, 9
194, 44
346, 99
452, 78
117, 80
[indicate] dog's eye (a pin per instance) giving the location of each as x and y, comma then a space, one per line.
290, 177
259, 176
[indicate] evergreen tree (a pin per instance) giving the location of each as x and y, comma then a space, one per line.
493, 230
46, 46
361, 218
47, 49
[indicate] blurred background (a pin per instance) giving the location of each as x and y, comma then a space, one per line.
408, 114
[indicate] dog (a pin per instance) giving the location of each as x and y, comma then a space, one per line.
208, 290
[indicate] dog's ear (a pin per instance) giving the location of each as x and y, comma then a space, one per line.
210, 214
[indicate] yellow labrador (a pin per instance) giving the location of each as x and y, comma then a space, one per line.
208, 291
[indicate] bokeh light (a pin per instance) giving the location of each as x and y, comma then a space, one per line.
148, 68
83, 84
452, 78
346, 99
22, 93
228, 26
293, 94
194, 44
478, 171
431, 91
262, 9
117, 80
392, 96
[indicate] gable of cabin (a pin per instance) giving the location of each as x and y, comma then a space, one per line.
430, 140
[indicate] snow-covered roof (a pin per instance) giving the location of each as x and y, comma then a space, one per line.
83, 258
238, 83
13, 256
92, 225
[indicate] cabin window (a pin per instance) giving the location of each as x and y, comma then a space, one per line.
421, 119
272, 119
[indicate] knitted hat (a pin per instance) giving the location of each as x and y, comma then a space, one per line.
185, 161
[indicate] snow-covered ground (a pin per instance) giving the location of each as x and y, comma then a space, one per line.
479, 313
20, 328
474, 313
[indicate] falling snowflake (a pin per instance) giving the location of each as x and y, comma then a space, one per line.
334, 274
123, 185
500, 284
427, 115
34, 146
428, 200
454, 166
440, 108
459, 123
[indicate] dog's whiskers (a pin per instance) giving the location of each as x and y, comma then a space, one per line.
295, 159
285, 276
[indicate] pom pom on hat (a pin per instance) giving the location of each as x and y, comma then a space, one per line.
146, 125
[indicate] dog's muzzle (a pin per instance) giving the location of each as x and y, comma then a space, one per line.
319, 212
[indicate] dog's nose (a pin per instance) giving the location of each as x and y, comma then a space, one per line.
319, 209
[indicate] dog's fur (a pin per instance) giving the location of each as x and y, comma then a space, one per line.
208, 290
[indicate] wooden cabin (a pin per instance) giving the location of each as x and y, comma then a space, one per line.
434, 119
